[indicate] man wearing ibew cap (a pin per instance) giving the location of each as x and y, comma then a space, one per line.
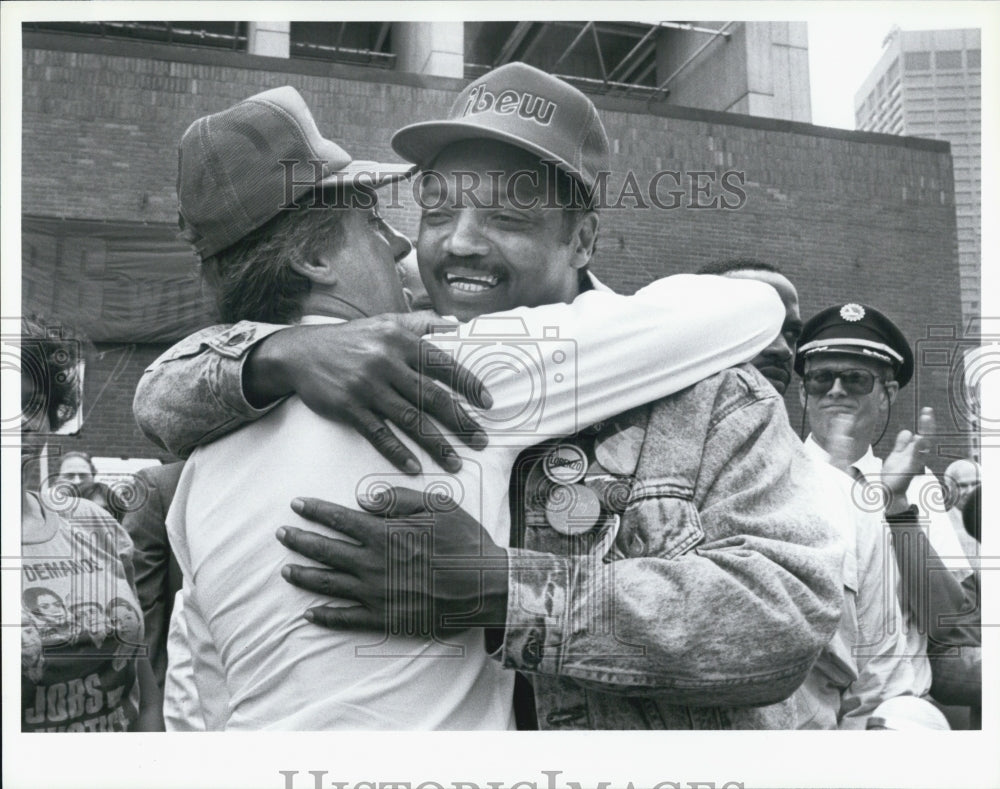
700, 510
853, 361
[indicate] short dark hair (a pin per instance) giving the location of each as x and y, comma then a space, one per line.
82, 455
738, 264
120, 602
33, 594
253, 279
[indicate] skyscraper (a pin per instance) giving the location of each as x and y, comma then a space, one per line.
927, 84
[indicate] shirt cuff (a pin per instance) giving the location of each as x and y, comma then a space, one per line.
233, 348
238, 339
537, 602
907, 517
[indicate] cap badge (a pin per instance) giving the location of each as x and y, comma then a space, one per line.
852, 312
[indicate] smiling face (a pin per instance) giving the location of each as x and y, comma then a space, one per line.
775, 361
862, 413
367, 276
352, 271
490, 239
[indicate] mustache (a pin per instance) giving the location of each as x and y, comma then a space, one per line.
477, 266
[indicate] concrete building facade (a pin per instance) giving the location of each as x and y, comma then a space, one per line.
848, 215
928, 84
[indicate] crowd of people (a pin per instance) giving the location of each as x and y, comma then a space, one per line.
539, 505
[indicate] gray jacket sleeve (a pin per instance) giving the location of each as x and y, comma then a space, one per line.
193, 393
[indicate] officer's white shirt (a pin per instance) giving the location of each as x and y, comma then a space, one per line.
925, 491
868, 660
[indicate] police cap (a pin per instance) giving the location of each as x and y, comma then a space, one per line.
859, 330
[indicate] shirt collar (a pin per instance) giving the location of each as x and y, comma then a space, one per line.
315, 320
814, 450
867, 464
596, 284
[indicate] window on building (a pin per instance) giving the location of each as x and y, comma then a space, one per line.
951, 58
217, 35
972, 58
951, 79
364, 43
916, 61
892, 74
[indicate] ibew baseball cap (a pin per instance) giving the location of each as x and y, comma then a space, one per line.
233, 167
525, 107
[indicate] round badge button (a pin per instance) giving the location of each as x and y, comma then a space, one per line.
565, 464
572, 509
618, 453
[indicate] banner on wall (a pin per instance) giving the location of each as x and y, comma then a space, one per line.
112, 281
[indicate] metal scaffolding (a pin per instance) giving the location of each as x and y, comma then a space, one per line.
625, 53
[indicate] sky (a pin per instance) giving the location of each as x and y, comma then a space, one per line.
844, 47
833, 76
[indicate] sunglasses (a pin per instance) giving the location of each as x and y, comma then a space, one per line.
854, 382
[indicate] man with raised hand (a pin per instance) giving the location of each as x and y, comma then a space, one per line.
695, 476
866, 662
853, 361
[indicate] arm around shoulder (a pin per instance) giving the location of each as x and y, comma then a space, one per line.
193, 393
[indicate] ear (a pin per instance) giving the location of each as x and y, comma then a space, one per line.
891, 390
583, 238
321, 270
802, 394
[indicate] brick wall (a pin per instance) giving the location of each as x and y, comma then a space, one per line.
847, 215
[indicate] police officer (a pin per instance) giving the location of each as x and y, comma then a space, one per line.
853, 361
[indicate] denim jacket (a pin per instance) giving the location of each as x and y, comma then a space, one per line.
707, 589
213, 405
